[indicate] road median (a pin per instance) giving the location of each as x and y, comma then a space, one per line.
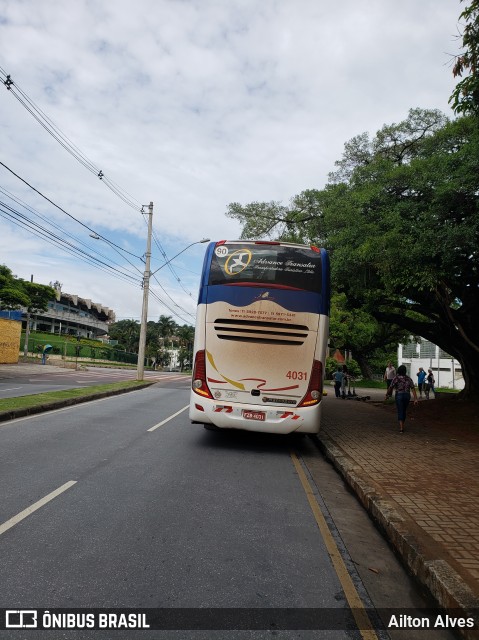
19, 407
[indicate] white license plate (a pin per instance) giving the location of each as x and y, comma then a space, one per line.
254, 415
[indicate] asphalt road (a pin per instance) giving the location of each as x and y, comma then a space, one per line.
132, 506
41, 379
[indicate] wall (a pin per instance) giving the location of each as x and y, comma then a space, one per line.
446, 371
10, 331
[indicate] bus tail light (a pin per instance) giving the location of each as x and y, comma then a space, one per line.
315, 387
200, 386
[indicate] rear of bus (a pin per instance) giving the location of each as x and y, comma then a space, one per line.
261, 337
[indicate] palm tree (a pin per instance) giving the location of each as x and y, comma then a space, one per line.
186, 337
127, 332
166, 327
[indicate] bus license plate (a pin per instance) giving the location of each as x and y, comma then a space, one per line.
254, 415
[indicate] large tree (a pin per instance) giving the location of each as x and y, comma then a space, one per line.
465, 97
372, 343
166, 329
16, 292
127, 332
400, 218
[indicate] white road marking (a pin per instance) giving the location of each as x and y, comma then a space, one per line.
29, 510
11, 389
160, 424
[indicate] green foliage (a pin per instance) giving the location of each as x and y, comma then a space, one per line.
53, 397
298, 222
16, 293
404, 231
400, 218
127, 332
332, 366
160, 336
355, 329
465, 97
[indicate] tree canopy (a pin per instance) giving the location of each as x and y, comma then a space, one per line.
160, 336
400, 219
16, 293
465, 97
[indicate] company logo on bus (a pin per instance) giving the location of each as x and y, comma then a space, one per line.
238, 261
278, 400
265, 296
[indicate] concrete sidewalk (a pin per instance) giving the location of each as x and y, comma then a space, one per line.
420, 487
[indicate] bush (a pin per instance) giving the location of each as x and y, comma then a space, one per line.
332, 366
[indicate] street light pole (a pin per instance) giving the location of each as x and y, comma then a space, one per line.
178, 254
144, 310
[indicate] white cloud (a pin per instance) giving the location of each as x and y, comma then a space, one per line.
193, 105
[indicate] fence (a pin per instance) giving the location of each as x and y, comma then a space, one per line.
72, 350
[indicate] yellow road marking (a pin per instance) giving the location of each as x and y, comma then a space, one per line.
357, 607
33, 507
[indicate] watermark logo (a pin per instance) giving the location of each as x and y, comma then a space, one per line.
21, 619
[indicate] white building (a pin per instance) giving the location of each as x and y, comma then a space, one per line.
446, 370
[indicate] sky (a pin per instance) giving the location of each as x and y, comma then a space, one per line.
190, 105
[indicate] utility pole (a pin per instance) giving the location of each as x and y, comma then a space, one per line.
27, 329
146, 288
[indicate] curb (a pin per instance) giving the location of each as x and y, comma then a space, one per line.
60, 404
412, 544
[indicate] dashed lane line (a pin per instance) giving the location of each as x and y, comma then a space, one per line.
160, 424
34, 507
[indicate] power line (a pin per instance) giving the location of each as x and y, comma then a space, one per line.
91, 230
51, 128
65, 212
66, 233
24, 221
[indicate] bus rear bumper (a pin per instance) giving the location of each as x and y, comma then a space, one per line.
255, 417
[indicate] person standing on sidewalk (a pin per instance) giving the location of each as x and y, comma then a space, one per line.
429, 384
338, 380
389, 374
403, 385
421, 375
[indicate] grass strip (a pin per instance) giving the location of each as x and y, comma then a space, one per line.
51, 397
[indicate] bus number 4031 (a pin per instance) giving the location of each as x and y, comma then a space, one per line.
297, 375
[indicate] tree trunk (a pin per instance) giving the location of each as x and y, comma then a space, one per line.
362, 361
468, 361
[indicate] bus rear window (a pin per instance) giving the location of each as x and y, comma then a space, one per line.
271, 265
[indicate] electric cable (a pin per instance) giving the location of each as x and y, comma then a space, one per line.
51, 128
66, 233
39, 230
65, 212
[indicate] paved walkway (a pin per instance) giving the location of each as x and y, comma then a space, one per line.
27, 368
421, 487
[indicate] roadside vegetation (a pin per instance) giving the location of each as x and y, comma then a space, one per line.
70, 348
52, 397
161, 337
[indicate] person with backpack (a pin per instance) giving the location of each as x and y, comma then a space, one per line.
403, 385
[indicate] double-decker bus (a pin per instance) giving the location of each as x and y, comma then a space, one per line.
261, 337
